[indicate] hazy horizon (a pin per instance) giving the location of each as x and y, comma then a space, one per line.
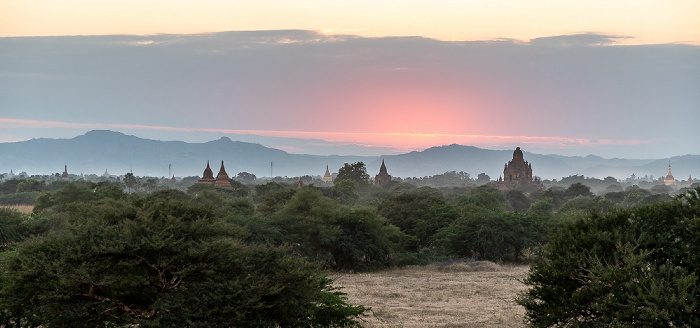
611, 80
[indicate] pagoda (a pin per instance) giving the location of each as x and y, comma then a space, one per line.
383, 178
207, 176
222, 179
669, 180
517, 173
327, 177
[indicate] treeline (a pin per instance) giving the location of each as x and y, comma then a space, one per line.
254, 255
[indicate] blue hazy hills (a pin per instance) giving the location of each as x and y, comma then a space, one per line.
118, 153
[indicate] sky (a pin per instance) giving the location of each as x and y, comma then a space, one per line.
608, 78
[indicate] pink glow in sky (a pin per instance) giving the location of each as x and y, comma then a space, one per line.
582, 77
399, 142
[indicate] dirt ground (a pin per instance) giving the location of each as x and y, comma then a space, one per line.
26, 209
460, 294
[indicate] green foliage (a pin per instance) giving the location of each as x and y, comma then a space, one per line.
130, 181
486, 235
356, 172
21, 198
517, 200
345, 191
342, 238
164, 260
629, 267
485, 197
542, 207
11, 227
418, 214
578, 189
30, 185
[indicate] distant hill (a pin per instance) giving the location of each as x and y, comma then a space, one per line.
97, 151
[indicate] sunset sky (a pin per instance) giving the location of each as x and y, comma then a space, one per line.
609, 78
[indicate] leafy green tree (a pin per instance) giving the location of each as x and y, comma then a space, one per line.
246, 177
542, 207
629, 267
482, 178
356, 172
337, 236
517, 200
163, 260
130, 181
30, 185
578, 189
487, 235
485, 197
345, 191
151, 184
417, 213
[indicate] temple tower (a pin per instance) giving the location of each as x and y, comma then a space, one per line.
207, 176
517, 173
222, 179
669, 180
383, 178
327, 177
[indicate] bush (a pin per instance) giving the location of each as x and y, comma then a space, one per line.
164, 260
20, 198
630, 267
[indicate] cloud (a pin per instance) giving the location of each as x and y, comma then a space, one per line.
570, 87
578, 40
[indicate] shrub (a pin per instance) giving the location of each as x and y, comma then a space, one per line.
629, 267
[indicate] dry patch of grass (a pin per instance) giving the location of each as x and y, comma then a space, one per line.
459, 294
26, 209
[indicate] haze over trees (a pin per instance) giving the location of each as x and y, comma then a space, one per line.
132, 257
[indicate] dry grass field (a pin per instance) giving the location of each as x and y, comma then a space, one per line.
459, 294
22, 208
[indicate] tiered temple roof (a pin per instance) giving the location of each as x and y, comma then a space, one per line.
327, 177
517, 173
383, 177
207, 176
669, 180
222, 179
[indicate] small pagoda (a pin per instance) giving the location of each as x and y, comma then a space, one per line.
327, 177
221, 180
383, 178
207, 176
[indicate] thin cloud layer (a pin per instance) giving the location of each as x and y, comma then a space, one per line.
581, 86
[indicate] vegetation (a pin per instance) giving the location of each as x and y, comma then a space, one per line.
628, 267
130, 252
167, 259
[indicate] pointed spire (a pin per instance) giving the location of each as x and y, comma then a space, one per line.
382, 169
222, 178
327, 176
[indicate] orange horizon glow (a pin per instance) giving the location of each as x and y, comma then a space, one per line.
397, 141
646, 22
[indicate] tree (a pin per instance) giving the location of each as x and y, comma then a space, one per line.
246, 177
517, 200
165, 260
482, 178
578, 189
129, 181
629, 267
151, 184
356, 172
337, 236
418, 214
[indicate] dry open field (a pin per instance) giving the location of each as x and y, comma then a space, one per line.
22, 208
460, 294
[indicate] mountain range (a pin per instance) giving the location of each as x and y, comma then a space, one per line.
98, 151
